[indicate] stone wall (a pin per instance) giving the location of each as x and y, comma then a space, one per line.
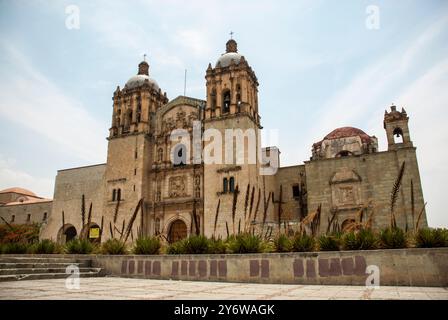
70, 185
399, 267
349, 183
21, 211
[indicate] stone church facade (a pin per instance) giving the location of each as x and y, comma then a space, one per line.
181, 194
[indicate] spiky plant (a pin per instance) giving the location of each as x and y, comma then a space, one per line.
392, 238
394, 195
328, 242
420, 217
363, 239
303, 243
234, 202
147, 245
431, 238
131, 221
83, 211
216, 217
114, 247
116, 210
282, 243
197, 244
246, 243
246, 202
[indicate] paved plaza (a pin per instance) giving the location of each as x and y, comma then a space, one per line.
131, 289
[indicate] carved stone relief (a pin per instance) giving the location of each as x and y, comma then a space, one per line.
177, 187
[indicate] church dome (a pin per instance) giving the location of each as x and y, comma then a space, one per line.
231, 54
344, 141
19, 190
141, 78
226, 59
346, 132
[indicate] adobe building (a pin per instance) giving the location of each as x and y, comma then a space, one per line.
21, 206
181, 193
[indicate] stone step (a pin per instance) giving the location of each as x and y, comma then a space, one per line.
27, 259
13, 265
14, 271
41, 276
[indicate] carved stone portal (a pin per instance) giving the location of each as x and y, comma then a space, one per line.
177, 187
345, 189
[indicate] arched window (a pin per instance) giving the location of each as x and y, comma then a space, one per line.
398, 135
225, 184
160, 155
118, 194
232, 184
114, 194
180, 155
226, 101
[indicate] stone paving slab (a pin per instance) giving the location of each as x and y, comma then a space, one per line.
112, 288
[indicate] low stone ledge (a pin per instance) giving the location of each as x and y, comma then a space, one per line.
397, 267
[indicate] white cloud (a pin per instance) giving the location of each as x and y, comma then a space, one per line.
28, 98
425, 102
10, 176
364, 99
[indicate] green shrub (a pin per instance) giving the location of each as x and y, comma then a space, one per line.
147, 245
177, 247
364, 239
431, 238
246, 243
196, 244
79, 246
303, 243
393, 238
45, 246
15, 248
114, 247
328, 242
217, 246
282, 243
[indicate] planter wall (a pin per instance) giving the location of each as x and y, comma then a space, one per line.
399, 267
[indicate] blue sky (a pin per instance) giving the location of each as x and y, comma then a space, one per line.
318, 65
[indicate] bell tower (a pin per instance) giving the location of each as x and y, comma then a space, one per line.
231, 125
130, 146
232, 87
397, 130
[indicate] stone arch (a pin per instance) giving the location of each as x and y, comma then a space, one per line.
67, 233
226, 101
177, 230
398, 135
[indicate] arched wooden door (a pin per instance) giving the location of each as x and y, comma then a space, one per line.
178, 231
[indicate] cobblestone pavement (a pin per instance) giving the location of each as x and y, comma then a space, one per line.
125, 288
